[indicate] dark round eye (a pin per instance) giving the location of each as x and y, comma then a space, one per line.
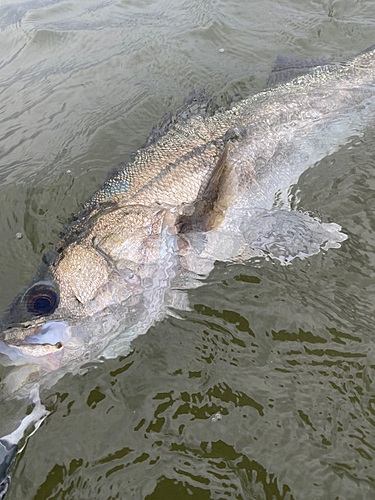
42, 298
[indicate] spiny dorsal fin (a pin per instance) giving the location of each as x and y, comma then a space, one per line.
208, 210
194, 104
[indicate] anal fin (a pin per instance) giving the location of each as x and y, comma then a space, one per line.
285, 235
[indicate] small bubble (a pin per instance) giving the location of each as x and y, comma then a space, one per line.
19, 236
221, 50
68, 171
216, 417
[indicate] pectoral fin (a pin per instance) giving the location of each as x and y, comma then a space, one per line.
208, 210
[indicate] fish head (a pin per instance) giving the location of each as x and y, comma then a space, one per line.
106, 279
69, 307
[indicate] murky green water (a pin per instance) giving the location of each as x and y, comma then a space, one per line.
266, 388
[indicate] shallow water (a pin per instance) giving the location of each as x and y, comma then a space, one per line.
265, 389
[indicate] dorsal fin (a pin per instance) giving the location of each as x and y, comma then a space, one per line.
208, 210
287, 68
194, 104
368, 50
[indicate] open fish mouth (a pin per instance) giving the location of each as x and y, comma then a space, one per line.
39, 344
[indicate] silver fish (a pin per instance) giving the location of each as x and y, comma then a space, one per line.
201, 189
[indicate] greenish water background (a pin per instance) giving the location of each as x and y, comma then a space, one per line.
265, 389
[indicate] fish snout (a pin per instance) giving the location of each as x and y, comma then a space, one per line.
42, 344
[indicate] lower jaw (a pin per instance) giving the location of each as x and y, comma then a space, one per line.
15, 356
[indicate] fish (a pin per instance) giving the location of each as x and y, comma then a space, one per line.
209, 184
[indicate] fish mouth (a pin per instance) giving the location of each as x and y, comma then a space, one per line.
43, 345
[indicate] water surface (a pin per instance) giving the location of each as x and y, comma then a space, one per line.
266, 388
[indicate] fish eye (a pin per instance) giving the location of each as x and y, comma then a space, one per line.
42, 298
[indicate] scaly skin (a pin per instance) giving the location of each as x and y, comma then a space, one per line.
117, 243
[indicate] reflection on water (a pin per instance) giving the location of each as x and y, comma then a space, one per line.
265, 388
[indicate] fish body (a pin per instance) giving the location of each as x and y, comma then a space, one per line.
202, 189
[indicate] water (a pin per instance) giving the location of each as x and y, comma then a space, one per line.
266, 388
